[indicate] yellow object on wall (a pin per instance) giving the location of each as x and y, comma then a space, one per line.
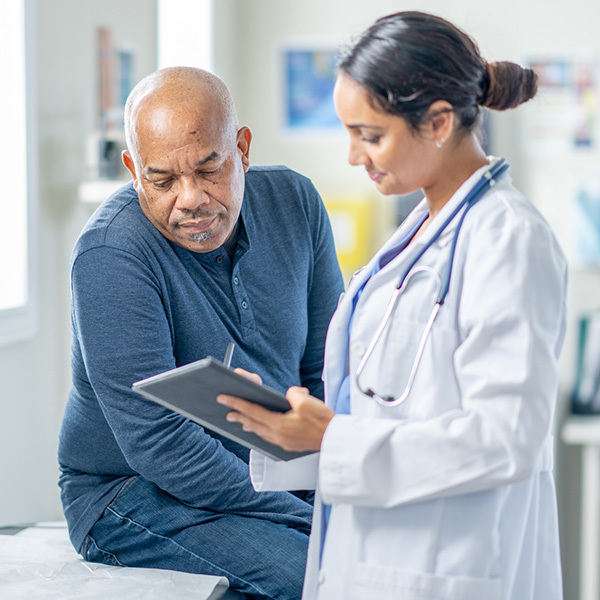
352, 222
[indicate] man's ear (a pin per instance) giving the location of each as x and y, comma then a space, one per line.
130, 165
244, 137
441, 120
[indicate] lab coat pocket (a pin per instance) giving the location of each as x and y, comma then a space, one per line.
373, 582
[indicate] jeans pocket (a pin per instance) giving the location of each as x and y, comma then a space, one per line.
123, 488
90, 552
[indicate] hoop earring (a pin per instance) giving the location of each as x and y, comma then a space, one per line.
439, 143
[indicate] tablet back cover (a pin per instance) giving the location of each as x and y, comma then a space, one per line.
192, 390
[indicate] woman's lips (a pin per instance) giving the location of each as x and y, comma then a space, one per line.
375, 176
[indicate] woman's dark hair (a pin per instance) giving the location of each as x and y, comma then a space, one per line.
408, 60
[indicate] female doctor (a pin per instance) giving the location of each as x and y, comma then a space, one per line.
434, 471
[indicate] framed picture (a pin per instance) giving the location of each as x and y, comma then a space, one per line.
308, 80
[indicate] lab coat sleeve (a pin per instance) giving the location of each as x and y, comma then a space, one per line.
511, 323
269, 475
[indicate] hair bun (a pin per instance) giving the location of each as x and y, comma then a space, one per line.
506, 85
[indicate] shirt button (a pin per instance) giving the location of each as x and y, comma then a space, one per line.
219, 259
244, 304
321, 577
236, 281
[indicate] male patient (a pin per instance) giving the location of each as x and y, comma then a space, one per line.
199, 250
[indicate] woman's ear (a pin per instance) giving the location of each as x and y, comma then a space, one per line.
440, 120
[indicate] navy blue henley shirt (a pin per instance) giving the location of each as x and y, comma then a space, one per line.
142, 305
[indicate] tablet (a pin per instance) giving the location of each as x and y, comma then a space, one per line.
192, 391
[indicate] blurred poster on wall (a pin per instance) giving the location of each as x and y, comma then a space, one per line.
586, 393
563, 118
585, 245
309, 77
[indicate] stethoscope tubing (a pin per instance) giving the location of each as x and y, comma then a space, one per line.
488, 180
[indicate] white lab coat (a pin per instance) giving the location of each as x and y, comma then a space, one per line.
449, 495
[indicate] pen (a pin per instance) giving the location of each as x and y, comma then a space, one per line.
228, 354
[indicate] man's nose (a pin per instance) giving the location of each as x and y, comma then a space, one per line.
191, 194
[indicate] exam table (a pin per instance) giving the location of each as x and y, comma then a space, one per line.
37, 562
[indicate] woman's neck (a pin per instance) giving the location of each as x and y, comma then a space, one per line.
456, 166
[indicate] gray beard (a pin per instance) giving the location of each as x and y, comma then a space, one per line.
202, 236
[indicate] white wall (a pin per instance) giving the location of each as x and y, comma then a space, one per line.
261, 27
34, 374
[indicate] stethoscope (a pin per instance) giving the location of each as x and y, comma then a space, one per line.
488, 179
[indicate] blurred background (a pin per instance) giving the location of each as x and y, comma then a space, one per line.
83, 57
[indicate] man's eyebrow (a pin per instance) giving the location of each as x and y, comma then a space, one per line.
156, 171
212, 156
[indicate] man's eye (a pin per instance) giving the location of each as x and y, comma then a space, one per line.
162, 185
208, 173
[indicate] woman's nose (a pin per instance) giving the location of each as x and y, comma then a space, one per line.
356, 155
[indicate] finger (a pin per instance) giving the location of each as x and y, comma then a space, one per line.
297, 394
248, 375
249, 409
235, 402
251, 426
246, 422
296, 389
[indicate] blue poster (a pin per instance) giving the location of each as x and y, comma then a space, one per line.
587, 225
310, 77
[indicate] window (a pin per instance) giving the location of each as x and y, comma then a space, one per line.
17, 310
185, 41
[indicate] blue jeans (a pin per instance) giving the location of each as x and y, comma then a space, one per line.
262, 555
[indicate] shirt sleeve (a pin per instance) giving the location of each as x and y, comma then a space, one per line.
122, 326
325, 286
511, 320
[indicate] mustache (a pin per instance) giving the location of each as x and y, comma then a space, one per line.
195, 215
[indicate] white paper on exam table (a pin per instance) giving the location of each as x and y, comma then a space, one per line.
39, 563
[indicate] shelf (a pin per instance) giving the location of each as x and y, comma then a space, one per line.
582, 430
96, 192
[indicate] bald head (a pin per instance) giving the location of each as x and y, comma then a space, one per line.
184, 96
187, 157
